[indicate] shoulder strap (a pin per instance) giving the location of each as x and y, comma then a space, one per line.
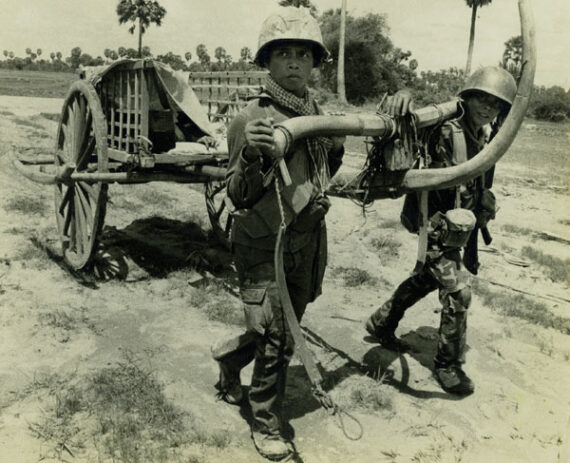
458, 139
459, 154
423, 234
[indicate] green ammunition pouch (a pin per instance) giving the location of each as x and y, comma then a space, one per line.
454, 227
264, 218
312, 215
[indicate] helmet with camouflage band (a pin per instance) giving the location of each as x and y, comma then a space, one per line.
290, 24
493, 80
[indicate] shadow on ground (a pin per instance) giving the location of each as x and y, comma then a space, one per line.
379, 362
150, 247
158, 246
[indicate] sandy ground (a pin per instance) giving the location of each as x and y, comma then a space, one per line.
518, 414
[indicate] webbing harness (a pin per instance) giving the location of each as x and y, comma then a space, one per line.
459, 156
305, 355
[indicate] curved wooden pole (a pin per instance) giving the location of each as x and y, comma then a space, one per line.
431, 179
376, 125
297, 128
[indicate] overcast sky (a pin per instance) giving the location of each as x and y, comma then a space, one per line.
436, 31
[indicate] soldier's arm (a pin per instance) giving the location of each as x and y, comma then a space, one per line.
244, 176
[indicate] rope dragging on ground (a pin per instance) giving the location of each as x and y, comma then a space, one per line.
508, 258
302, 350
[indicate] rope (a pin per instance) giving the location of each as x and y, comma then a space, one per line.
305, 355
510, 259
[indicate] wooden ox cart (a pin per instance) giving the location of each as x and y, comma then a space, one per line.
135, 121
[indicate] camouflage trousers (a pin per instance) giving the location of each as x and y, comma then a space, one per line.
445, 272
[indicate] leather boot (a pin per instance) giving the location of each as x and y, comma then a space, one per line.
272, 446
229, 384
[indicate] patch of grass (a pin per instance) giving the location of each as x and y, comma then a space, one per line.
520, 306
123, 410
556, 268
564, 221
26, 205
386, 246
67, 322
353, 277
154, 197
51, 116
364, 393
58, 319
432, 455
27, 123
516, 230
6, 113
217, 304
546, 347
35, 83
391, 223
28, 252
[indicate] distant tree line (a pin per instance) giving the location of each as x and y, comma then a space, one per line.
373, 66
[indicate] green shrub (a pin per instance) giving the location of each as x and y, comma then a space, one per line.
556, 268
520, 306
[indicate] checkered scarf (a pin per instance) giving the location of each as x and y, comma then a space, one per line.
318, 147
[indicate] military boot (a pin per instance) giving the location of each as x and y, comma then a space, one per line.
386, 337
272, 446
229, 384
454, 380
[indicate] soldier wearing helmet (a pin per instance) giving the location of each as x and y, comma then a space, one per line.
290, 45
455, 217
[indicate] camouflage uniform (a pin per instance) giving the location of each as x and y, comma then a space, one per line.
253, 241
444, 269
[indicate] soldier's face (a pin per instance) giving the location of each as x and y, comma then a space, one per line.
290, 66
482, 108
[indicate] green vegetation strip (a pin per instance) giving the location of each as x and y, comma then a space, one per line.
520, 306
556, 268
123, 410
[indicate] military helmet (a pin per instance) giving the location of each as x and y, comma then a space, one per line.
493, 80
291, 23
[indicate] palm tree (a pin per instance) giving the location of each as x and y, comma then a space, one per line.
473, 4
299, 3
340, 70
144, 12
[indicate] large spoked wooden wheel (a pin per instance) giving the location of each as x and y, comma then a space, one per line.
220, 218
81, 146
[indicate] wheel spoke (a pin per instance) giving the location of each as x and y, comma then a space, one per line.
59, 157
87, 142
69, 226
87, 149
85, 204
220, 211
65, 200
72, 128
92, 191
79, 225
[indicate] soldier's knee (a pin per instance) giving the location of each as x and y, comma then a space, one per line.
461, 300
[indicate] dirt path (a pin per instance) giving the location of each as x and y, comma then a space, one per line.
57, 334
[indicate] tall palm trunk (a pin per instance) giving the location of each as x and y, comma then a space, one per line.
140, 38
341, 90
471, 39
